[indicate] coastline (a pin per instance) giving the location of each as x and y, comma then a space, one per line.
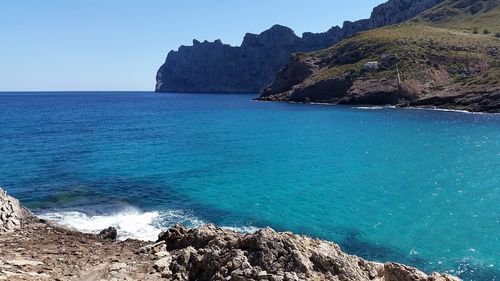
131, 223
36, 249
388, 106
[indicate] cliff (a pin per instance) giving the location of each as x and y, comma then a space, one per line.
217, 67
446, 57
206, 253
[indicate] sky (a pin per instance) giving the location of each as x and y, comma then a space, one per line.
115, 45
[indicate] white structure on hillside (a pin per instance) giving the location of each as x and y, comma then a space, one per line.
371, 65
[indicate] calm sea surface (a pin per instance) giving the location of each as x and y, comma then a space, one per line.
414, 186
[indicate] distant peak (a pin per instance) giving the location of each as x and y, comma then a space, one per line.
279, 27
216, 42
276, 33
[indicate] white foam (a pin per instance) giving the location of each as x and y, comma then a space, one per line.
421, 108
242, 229
374, 107
130, 223
450, 110
322, 103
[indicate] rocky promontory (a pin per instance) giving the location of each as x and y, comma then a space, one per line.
35, 249
437, 60
214, 67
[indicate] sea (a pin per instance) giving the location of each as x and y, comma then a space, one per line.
420, 187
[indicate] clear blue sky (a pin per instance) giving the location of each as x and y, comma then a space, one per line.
119, 44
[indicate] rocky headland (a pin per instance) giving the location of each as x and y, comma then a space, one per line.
447, 57
35, 249
214, 67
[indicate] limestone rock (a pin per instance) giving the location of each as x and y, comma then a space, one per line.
21, 262
212, 253
11, 213
117, 266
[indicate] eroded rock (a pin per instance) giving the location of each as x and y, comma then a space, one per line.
11, 213
212, 253
109, 233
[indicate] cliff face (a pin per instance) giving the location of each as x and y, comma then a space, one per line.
217, 67
398, 11
439, 59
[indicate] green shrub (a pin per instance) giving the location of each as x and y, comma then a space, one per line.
475, 30
486, 31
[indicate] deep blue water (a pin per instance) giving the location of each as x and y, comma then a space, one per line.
415, 186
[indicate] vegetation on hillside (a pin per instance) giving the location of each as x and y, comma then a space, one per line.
464, 15
440, 39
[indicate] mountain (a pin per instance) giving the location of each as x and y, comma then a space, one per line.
445, 57
217, 67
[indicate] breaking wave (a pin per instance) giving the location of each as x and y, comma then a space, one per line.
130, 223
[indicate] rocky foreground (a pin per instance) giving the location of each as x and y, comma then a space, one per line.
34, 249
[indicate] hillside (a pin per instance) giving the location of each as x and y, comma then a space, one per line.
218, 67
446, 57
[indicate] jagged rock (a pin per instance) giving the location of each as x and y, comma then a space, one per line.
163, 264
398, 11
212, 253
153, 248
109, 233
11, 213
217, 67
162, 254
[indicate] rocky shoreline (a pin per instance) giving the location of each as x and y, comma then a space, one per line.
458, 109
452, 100
35, 249
435, 60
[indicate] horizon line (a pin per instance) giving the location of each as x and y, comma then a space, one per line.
71, 91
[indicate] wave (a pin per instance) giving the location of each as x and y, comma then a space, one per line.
423, 109
374, 107
242, 229
129, 223
450, 110
444, 110
132, 223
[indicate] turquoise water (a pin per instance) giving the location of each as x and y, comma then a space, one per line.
415, 186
